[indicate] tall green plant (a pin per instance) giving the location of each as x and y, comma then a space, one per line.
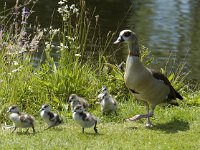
52, 80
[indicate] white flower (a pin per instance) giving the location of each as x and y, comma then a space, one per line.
45, 30
15, 63
75, 10
61, 2
66, 7
48, 46
30, 89
60, 10
61, 44
16, 70
54, 31
72, 6
78, 55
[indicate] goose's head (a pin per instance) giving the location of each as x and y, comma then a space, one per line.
45, 107
104, 89
126, 36
13, 109
72, 98
78, 109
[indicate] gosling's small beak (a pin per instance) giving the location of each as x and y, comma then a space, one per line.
119, 40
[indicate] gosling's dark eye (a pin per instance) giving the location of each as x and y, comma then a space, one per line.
127, 34
13, 107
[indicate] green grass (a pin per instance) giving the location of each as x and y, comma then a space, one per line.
54, 79
174, 128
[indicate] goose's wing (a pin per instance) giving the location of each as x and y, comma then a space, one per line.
100, 96
51, 116
26, 118
173, 93
84, 102
85, 116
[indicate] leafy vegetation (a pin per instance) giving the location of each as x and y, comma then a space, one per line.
174, 128
27, 82
73, 59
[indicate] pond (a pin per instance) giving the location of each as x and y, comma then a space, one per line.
169, 28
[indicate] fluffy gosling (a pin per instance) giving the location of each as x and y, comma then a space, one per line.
20, 120
107, 102
52, 119
75, 100
84, 119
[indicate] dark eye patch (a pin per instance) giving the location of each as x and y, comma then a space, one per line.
13, 107
77, 107
45, 106
127, 34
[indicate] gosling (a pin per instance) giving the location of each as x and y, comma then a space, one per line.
20, 120
107, 102
84, 119
52, 119
75, 100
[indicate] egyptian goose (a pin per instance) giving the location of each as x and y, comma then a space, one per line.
20, 120
84, 118
107, 102
75, 100
52, 119
147, 85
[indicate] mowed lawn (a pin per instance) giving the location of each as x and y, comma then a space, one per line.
174, 128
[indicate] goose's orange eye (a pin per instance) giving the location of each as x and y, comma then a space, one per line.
127, 34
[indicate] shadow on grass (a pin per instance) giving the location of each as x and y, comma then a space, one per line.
24, 133
54, 129
93, 134
173, 126
132, 128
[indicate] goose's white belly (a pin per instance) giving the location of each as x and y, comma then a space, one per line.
138, 78
108, 105
45, 117
84, 123
14, 117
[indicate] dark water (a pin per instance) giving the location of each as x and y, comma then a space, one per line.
169, 28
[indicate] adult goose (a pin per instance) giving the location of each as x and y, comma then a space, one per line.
147, 85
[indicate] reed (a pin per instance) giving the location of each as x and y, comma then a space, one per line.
30, 81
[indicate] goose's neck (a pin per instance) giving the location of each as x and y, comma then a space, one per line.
134, 49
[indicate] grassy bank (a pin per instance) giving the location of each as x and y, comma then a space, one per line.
82, 66
66, 63
174, 128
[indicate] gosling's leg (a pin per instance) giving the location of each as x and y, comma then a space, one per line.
82, 130
33, 129
116, 113
49, 126
14, 129
26, 130
95, 127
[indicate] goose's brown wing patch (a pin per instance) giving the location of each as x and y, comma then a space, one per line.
173, 93
26, 118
